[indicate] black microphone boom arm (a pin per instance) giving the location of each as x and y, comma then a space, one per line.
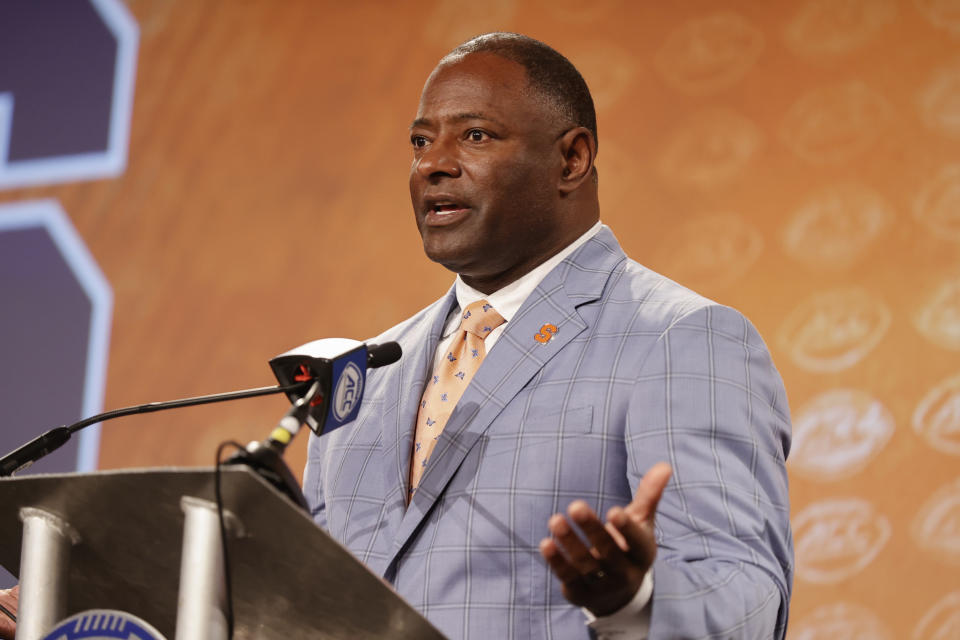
47, 443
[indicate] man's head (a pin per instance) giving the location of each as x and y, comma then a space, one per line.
552, 77
504, 144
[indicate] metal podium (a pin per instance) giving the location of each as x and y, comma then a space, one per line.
148, 543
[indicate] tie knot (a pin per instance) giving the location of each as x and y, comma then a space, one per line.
480, 319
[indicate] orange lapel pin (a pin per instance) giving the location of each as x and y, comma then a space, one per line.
547, 331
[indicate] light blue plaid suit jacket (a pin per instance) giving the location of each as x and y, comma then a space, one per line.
641, 370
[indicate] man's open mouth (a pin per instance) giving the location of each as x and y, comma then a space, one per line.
445, 208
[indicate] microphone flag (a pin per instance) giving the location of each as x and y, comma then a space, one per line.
340, 364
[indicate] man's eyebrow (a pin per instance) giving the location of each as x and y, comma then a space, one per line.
460, 117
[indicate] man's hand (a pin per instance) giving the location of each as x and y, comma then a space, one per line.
8, 598
606, 576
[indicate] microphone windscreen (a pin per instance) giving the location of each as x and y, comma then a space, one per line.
379, 355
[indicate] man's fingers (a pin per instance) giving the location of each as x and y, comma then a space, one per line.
616, 535
638, 534
577, 553
558, 564
647, 496
635, 521
606, 546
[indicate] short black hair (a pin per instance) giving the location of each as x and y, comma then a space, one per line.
548, 71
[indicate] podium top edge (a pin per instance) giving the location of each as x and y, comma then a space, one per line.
139, 471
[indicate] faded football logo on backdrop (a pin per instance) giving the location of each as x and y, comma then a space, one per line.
710, 53
937, 417
836, 226
452, 23
834, 330
938, 318
836, 538
942, 14
837, 433
937, 206
939, 100
710, 253
840, 621
709, 149
610, 69
834, 124
833, 27
942, 621
936, 527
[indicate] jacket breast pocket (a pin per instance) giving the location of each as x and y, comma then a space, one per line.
550, 449
557, 424
552, 460
518, 446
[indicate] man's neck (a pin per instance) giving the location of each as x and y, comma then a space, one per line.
488, 284
508, 298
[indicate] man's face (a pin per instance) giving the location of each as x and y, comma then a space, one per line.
486, 163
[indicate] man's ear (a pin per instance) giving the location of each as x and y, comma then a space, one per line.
579, 149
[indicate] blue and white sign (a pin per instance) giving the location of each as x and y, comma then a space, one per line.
348, 391
104, 624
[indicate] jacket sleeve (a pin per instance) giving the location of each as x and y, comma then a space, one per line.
709, 401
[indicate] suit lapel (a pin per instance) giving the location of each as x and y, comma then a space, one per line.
512, 362
401, 402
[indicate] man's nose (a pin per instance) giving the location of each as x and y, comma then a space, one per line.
439, 159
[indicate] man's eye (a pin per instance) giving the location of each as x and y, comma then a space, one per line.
475, 135
418, 141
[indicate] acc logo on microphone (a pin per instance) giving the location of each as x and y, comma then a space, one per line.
349, 390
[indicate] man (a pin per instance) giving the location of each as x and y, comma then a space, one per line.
595, 371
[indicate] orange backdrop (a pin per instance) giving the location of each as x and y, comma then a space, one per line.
797, 160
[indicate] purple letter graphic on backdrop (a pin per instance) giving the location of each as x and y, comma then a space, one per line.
54, 332
67, 71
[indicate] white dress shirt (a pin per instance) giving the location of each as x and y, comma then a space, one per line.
506, 301
633, 620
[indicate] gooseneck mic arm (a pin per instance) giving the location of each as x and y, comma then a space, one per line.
53, 439
314, 384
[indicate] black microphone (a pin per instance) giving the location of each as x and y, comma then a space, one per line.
340, 365
379, 355
337, 368
311, 407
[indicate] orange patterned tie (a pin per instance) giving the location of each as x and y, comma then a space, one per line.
449, 382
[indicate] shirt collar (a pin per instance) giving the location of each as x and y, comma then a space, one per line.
507, 301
